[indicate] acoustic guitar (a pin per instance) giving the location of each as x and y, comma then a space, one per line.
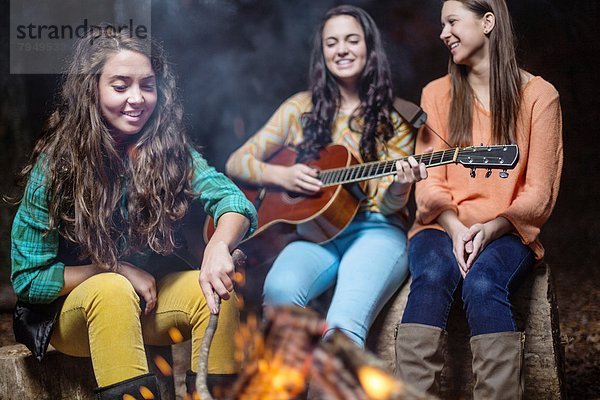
284, 216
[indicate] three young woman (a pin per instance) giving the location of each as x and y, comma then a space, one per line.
111, 180
479, 236
350, 102
97, 258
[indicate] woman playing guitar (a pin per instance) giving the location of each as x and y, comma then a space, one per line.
350, 102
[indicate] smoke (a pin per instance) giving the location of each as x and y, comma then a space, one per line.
238, 60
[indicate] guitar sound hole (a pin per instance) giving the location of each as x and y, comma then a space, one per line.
293, 198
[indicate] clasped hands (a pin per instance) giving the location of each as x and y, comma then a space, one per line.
469, 242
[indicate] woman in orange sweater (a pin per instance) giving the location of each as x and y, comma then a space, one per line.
481, 233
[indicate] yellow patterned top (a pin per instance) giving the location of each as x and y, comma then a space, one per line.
284, 128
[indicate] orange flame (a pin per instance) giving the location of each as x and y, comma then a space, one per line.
239, 278
175, 335
239, 301
274, 381
146, 393
163, 366
378, 384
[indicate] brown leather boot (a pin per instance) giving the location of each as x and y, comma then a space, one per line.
498, 365
420, 356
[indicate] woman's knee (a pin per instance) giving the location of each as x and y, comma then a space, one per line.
282, 286
432, 276
109, 288
229, 308
430, 258
479, 285
277, 291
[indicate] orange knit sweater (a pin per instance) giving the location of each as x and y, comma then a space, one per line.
526, 198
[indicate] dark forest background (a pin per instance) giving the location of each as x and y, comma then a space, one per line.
237, 60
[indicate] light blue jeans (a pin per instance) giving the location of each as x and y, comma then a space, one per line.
366, 263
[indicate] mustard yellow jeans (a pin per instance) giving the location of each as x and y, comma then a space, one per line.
101, 318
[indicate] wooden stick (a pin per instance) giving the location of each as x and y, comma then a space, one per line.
239, 259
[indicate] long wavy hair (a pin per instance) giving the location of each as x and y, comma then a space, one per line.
372, 118
86, 173
505, 80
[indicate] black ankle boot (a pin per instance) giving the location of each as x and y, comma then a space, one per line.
217, 384
190, 383
141, 387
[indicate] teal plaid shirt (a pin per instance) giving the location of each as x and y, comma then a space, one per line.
38, 277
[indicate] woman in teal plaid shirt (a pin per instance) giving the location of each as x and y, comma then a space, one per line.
96, 249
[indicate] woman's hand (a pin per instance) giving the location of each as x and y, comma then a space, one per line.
407, 173
468, 243
462, 248
217, 273
459, 234
298, 178
478, 236
143, 283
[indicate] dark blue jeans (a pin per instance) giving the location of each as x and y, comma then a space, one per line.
496, 273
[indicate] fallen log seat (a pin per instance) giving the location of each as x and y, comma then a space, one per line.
57, 377
61, 377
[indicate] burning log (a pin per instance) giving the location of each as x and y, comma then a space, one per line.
280, 363
289, 351
342, 371
293, 353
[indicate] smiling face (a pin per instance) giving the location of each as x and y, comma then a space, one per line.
344, 48
464, 33
127, 91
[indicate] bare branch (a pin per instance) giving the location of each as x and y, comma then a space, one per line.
239, 259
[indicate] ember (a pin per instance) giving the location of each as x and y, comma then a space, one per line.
163, 366
175, 335
378, 384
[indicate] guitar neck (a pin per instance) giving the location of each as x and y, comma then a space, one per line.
378, 169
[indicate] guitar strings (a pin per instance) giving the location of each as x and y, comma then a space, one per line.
438, 135
376, 169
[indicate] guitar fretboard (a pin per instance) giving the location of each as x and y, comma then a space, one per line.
378, 169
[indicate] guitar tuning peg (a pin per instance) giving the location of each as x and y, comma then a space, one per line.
503, 174
488, 173
472, 173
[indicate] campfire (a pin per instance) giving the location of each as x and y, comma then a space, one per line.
287, 357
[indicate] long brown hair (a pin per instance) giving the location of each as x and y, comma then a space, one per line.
88, 179
505, 81
375, 93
